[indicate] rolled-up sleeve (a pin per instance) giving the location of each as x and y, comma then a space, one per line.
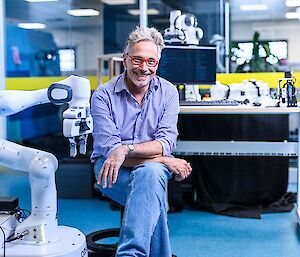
106, 135
167, 131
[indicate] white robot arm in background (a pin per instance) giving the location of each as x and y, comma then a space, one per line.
41, 228
183, 29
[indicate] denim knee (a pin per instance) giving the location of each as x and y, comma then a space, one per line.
153, 173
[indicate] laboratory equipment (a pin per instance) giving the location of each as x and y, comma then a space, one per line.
183, 29
39, 234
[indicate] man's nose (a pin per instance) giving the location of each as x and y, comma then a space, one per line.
144, 66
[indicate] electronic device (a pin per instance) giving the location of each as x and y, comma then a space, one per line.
286, 92
224, 102
8, 204
188, 65
183, 29
39, 234
252, 92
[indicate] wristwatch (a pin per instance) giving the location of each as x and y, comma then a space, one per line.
131, 148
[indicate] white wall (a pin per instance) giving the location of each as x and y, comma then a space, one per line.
288, 30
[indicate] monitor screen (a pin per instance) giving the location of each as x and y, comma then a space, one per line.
188, 64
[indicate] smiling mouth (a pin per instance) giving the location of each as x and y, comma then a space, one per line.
143, 76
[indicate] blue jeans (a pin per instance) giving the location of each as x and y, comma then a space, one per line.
142, 190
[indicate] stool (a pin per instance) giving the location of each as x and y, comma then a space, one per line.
103, 250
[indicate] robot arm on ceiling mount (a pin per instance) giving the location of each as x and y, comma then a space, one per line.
41, 226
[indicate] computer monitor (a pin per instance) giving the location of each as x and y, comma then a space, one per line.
188, 64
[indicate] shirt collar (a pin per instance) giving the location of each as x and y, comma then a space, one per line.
120, 84
154, 84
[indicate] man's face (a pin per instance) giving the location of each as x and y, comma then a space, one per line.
141, 64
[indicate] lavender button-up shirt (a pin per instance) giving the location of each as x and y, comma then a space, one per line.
120, 119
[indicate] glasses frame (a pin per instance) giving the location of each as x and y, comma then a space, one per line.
131, 58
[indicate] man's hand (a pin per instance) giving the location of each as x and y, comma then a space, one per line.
181, 168
111, 166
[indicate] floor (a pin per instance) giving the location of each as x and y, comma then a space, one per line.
193, 233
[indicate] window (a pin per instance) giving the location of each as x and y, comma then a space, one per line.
67, 59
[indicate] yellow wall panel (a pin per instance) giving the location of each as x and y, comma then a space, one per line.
33, 83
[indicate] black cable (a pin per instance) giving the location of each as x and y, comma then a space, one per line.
10, 239
228, 91
26, 211
257, 87
4, 241
21, 213
294, 78
24, 233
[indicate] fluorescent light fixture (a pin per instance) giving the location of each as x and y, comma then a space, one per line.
292, 15
118, 2
254, 7
31, 25
136, 12
292, 3
39, 1
83, 12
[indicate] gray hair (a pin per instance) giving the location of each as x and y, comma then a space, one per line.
145, 34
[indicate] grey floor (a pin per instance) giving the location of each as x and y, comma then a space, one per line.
193, 233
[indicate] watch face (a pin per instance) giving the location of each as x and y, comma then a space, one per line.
130, 147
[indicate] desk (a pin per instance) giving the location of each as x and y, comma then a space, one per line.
241, 148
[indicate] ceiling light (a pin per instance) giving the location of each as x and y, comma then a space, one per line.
38, 1
136, 12
83, 12
292, 15
31, 25
292, 3
254, 7
118, 2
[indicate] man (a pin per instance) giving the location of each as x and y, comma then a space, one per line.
135, 130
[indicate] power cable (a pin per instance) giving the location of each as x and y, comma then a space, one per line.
4, 241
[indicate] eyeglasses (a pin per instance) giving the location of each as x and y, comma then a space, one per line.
150, 62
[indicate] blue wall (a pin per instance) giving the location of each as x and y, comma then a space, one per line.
32, 46
26, 56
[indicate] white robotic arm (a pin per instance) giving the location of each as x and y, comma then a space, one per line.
41, 227
74, 90
13, 101
78, 122
183, 29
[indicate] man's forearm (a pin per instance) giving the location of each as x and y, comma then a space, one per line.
133, 161
146, 150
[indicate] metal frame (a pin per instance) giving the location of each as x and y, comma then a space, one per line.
114, 60
2, 63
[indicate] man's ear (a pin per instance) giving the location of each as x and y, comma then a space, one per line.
124, 61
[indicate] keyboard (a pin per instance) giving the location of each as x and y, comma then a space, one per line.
210, 103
